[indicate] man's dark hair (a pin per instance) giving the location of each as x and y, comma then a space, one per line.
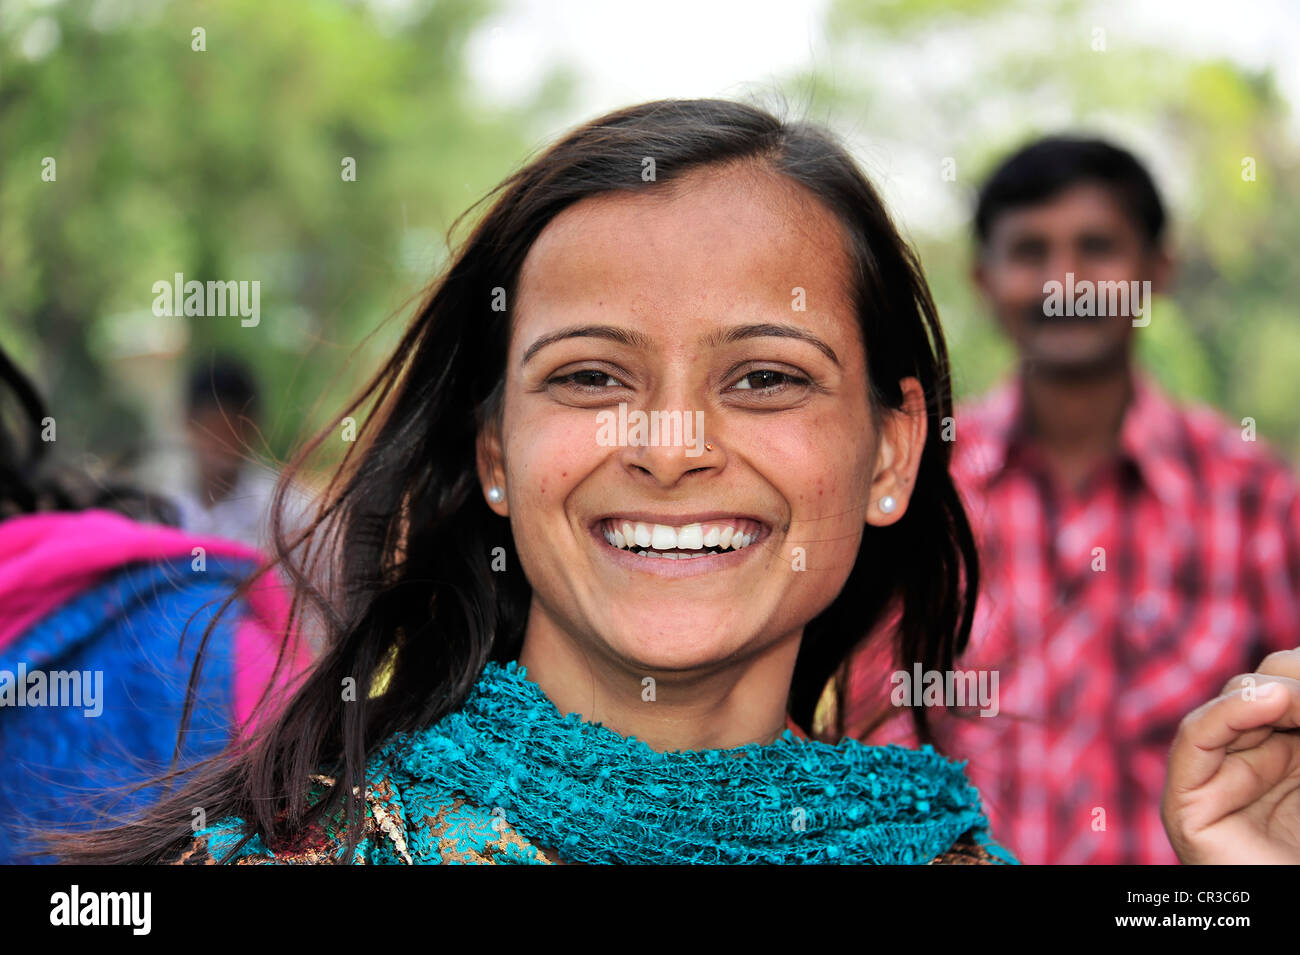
1047, 167
222, 382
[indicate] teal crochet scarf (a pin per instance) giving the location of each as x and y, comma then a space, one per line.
598, 797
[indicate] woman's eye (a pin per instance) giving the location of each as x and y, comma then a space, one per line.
588, 378
768, 380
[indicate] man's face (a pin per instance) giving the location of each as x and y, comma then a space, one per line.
1085, 231
219, 442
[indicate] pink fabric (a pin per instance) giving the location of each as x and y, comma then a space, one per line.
46, 559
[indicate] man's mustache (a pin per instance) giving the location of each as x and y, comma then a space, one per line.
1036, 314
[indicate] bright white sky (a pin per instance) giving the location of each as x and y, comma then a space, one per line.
635, 51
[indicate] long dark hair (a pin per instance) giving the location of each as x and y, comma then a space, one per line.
413, 621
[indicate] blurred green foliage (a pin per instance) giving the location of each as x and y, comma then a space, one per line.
226, 164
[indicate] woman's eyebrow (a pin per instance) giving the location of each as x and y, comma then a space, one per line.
635, 339
624, 336
770, 330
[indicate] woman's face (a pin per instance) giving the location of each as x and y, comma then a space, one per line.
722, 302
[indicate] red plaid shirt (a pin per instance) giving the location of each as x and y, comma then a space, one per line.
1200, 531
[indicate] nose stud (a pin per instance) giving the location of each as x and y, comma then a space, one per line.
496, 495
887, 505
708, 447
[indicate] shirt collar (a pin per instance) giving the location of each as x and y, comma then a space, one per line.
1151, 438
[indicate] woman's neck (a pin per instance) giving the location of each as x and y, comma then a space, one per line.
721, 708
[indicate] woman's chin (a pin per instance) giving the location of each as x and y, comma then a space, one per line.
670, 649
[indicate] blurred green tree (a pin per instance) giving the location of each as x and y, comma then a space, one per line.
220, 155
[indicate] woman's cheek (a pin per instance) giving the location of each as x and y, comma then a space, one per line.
825, 486
819, 464
552, 454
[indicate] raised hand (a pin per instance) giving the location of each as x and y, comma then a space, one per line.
1232, 794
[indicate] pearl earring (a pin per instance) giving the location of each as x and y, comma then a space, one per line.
496, 495
887, 505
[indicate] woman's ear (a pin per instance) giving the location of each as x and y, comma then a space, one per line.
491, 468
898, 458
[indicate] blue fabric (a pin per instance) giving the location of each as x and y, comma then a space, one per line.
129, 629
595, 796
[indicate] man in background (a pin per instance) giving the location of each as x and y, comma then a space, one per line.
1135, 554
229, 493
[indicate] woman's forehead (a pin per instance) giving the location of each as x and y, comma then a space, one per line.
720, 236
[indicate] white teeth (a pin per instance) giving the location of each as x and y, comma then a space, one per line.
690, 537
665, 538
653, 540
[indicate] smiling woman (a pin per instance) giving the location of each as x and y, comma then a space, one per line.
637, 680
